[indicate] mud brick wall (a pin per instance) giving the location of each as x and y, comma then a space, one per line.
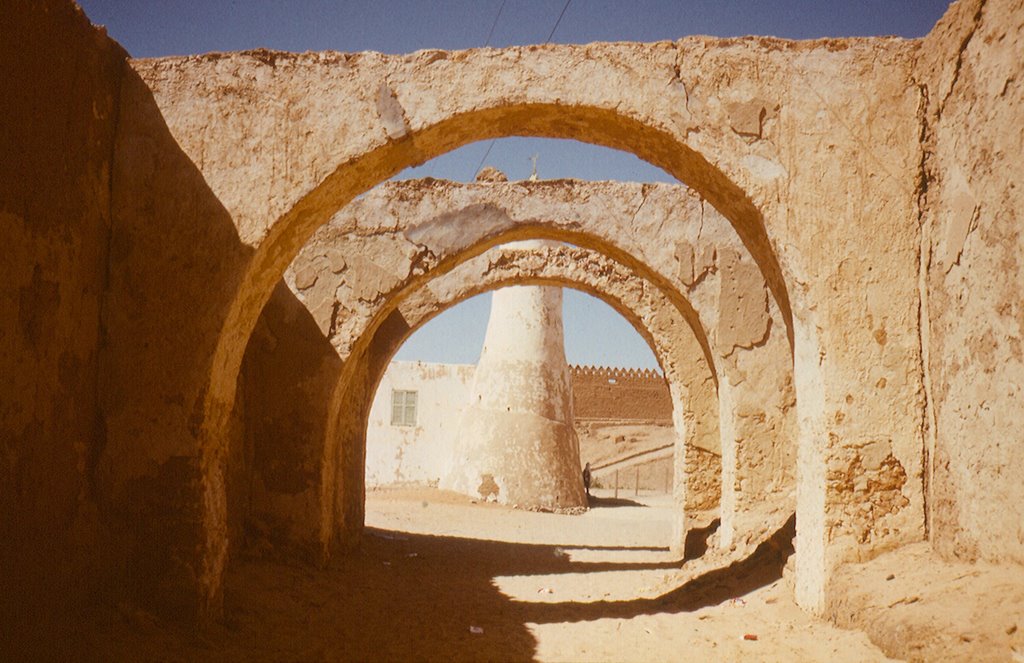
626, 394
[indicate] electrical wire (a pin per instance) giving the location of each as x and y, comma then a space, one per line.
486, 43
490, 34
552, 34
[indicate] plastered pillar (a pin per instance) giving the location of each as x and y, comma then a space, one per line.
727, 430
682, 420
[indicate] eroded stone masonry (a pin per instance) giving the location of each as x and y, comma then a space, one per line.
205, 280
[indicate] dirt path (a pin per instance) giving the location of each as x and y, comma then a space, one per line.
441, 578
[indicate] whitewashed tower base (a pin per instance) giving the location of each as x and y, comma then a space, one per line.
516, 443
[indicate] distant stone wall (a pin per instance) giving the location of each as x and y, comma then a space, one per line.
621, 394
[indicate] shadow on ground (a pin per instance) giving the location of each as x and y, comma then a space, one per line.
596, 502
763, 567
415, 597
696, 543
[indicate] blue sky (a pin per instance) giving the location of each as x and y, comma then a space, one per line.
167, 27
595, 334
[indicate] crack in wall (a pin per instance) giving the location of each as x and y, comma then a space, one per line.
333, 328
924, 256
644, 192
975, 22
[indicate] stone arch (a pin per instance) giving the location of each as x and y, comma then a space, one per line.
422, 105
377, 313
412, 227
656, 319
308, 381
404, 138
400, 223
398, 237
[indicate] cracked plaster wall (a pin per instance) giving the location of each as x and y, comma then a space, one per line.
655, 318
972, 70
398, 454
396, 222
516, 443
286, 380
820, 182
207, 186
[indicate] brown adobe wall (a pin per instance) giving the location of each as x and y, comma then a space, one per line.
274, 475
59, 78
620, 394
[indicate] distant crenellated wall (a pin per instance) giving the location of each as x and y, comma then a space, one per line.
628, 394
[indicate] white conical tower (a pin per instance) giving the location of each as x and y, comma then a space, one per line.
516, 443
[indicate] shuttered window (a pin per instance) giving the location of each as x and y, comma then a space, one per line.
403, 407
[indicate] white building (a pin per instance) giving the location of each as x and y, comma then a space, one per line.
413, 421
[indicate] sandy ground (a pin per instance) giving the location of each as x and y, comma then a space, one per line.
922, 608
442, 578
599, 442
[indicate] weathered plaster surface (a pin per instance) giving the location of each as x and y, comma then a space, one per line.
286, 366
656, 318
224, 165
517, 441
59, 110
646, 307
431, 214
821, 194
970, 72
296, 390
421, 453
407, 226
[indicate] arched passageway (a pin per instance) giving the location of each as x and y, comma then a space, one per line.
690, 379
381, 240
401, 111
139, 258
292, 420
